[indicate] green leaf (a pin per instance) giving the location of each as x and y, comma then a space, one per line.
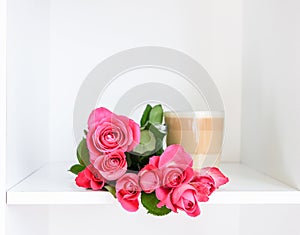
75, 169
156, 114
128, 159
111, 189
85, 132
150, 202
159, 152
145, 116
159, 137
147, 143
83, 155
78, 157
146, 137
151, 144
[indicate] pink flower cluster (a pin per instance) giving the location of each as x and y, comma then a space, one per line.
109, 137
176, 184
171, 176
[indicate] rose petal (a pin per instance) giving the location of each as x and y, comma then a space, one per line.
94, 172
172, 177
216, 174
149, 178
88, 174
93, 151
82, 181
130, 205
128, 191
175, 155
109, 171
195, 212
183, 195
125, 179
135, 134
97, 185
163, 194
154, 161
203, 191
188, 195
97, 115
177, 193
109, 132
189, 174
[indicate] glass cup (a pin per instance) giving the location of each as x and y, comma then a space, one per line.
200, 134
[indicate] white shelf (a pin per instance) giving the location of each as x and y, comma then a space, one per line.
52, 185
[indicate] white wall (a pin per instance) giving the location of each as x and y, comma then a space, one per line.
72, 37
271, 84
3, 25
27, 87
85, 33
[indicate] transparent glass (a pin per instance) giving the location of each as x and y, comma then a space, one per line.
200, 133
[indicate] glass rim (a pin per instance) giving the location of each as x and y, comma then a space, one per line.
193, 114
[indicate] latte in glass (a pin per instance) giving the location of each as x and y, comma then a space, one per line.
200, 133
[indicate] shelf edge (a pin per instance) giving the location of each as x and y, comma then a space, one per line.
98, 198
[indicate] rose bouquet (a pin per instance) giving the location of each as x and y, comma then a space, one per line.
128, 160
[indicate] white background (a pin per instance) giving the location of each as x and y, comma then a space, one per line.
250, 44
82, 35
54, 45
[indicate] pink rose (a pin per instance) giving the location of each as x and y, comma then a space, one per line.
184, 198
172, 179
176, 169
128, 191
204, 186
112, 165
218, 177
207, 181
174, 176
175, 166
86, 179
149, 178
108, 132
